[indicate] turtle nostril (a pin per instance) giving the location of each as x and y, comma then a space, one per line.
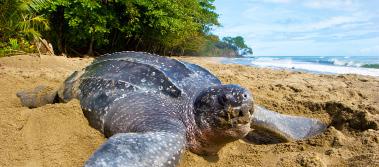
240, 114
251, 111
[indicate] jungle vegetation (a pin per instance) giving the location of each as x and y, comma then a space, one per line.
94, 27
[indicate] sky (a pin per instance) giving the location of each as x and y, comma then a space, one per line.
302, 28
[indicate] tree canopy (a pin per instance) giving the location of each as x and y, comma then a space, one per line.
169, 27
237, 44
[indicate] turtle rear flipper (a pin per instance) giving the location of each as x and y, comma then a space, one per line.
155, 148
271, 127
37, 97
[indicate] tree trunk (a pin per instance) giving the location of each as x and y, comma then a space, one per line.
139, 41
90, 49
114, 40
60, 38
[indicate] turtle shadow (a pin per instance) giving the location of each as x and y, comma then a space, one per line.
211, 158
259, 136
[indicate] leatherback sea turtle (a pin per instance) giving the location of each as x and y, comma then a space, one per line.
152, 108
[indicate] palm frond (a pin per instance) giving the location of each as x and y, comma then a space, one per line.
37, 5
40, 23
31, 33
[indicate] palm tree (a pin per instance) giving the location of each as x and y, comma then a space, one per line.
18, 20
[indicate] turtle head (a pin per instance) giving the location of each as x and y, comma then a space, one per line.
224, 112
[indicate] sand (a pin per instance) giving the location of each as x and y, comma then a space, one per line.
59, 134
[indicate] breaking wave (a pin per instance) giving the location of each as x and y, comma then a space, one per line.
329, 65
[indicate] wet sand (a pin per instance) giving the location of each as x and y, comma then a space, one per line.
59, 134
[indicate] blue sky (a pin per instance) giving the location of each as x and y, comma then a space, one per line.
303, 28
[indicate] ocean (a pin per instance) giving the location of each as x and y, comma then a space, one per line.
363, 65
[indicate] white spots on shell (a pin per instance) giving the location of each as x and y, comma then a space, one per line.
159, 143
157, 153
156, 163
121, 97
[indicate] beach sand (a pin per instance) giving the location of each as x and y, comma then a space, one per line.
59, 134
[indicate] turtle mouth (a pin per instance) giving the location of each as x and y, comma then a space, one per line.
243, 117
235, 116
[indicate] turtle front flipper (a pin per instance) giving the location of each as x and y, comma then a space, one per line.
139, 150
272, 127
38, 97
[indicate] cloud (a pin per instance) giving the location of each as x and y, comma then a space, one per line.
272, 1
332, 4
328, 23
277, 1
293, 26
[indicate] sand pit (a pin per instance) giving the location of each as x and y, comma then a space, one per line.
59, 134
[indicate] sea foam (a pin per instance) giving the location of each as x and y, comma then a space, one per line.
325, 65
319, 68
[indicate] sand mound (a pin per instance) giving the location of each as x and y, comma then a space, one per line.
59, 134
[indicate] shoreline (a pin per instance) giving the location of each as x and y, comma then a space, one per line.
315, 65
59, 134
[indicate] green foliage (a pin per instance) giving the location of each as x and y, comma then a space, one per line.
18, 19
19, 26
74, 23
180, 27
237, 44
14, 44
227, 47
156, 26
